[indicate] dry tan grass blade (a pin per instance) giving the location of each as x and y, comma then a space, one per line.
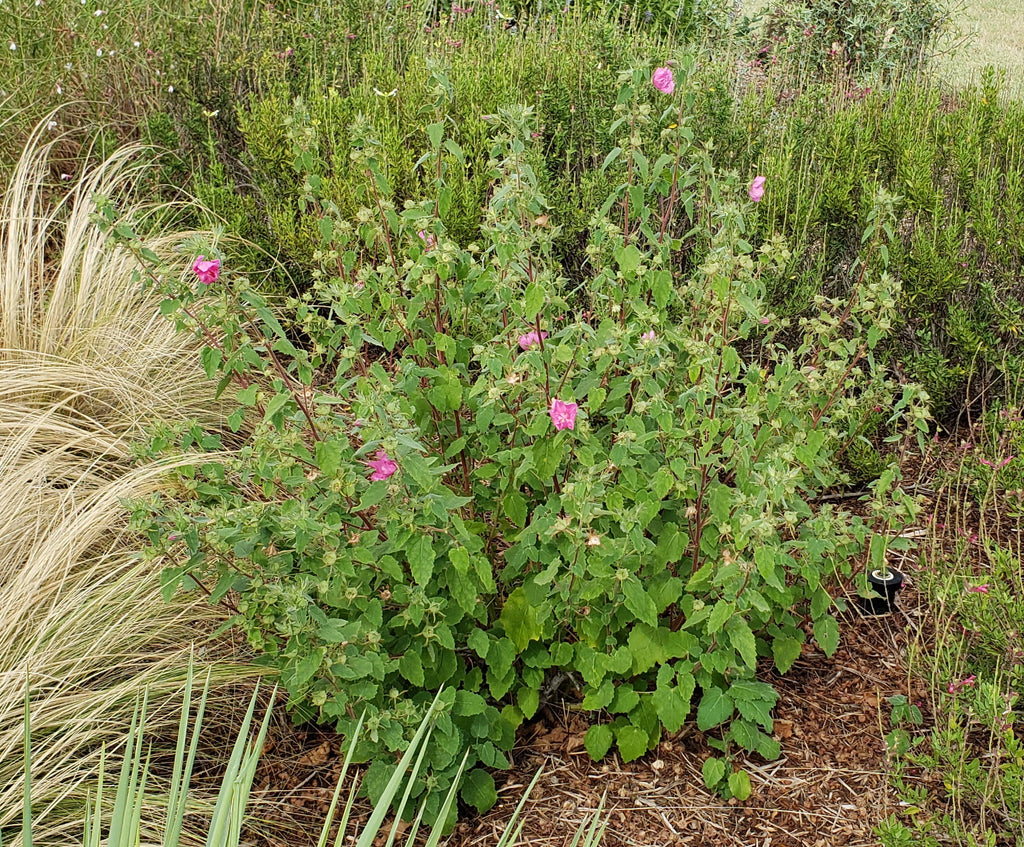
86, 361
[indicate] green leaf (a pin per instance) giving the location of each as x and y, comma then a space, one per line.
328, 457
716, 707
786, 651
632, 742
742, 639
826, 633
468, 703
434, 133
628, 258
514, 506
411, 667
533, 300
276, 404
625, 700
479, 642
529, 701
520, 620
672, 703
599, 697
212, 357
714, 772
661, 288
421, 559
306, 667
721, 613
647, 646
598, 741
764, 558
247, 396
638, 602
478, 790
739, 784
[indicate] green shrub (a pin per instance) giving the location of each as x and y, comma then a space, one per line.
645, 555
856, 38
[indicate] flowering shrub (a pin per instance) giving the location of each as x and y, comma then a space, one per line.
600, 489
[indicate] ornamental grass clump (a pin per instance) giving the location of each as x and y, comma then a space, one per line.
85, 363
602, 490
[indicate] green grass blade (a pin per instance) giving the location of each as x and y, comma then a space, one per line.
130, 835
597, 825
409, 784
182, 775
369, 833
225, 825
121, 797
171, 832
246, 775
442, 815
343, 826
510, 833
222, 809
326, 830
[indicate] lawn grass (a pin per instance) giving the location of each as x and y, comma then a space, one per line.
996, 37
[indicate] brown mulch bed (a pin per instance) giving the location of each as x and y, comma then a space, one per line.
829, 787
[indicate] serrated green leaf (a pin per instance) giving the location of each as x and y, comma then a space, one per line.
786, 651
529, 701
722, 612
598, 741
598, 698
739, 785
247, 396
826, 633
713, 772
742, 640
328, 457
672, 704
479, 642
306, 667
661, 288
533, 300
715, 708
421, 559
478, 790
411, 667
638, 602
628, 258
468, 703
520, 620
632, 742
646, 645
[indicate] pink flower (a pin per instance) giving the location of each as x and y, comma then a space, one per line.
1001, 464
756, 190
207, 269
429, 242
648, 336
977, 589
563, 415
383, 466
963, 683
663, 80
531, 339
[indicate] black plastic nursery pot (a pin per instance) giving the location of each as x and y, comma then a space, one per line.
885, 589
